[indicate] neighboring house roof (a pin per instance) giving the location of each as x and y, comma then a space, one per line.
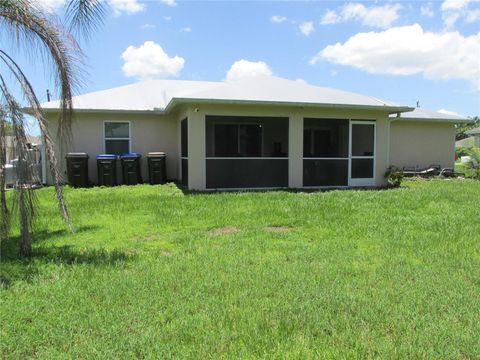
467, 142
475, 131
420, 114
162, 95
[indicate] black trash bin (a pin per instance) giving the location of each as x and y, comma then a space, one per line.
77, 169
131, 169
157, 171
107, 169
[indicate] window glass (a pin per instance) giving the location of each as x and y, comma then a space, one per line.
117, 147
325, 138
117, 130
363, 139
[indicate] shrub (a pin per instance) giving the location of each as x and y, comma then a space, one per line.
394, 176
473, 152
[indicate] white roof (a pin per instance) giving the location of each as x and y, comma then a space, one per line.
420, 114
475, 131
161, 95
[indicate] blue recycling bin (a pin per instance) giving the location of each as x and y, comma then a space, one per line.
107, 169
131, 168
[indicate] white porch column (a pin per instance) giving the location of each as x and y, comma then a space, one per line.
196, 150
295, 151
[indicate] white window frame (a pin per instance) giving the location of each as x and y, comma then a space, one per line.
362, 181
129, 134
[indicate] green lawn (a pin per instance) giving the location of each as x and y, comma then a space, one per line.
155, 273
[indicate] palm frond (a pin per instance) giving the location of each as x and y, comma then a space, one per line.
85, 16
4, 213
32, 28
24, 194
37, 112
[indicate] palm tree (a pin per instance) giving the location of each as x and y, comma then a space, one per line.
30, 27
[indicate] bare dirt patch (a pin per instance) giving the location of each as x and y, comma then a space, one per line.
148, 238
278, 229
227, 230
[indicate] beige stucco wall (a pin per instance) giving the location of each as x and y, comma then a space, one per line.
422, 144
151, 132
148, 132
196, 130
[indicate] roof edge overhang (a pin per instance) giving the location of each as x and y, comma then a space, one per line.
104, 111
385, 108
439, 120
186, 101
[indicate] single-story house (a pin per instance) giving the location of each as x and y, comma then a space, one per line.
263, 132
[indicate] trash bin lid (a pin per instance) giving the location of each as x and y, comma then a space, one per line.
77, 155
130, 155
107, 156
155, 154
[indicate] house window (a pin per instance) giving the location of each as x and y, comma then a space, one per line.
238, 140
117, 137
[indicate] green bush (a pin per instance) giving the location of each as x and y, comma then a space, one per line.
473, 152
468, 169
394, 176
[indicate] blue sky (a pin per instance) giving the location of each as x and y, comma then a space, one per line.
397, 50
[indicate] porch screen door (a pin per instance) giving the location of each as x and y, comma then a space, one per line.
362, 153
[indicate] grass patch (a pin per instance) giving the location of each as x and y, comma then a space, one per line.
153, 272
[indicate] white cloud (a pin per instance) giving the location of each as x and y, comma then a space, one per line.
246, 69
454, 4
167, 18
449, 19
169, 2
409, 50
148, 26
306, 28
454, 10
278, 19
186, 29
472, 16
374, 16
427, 10
49, 5
448, 112
126, 6
330, 17
150, 61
